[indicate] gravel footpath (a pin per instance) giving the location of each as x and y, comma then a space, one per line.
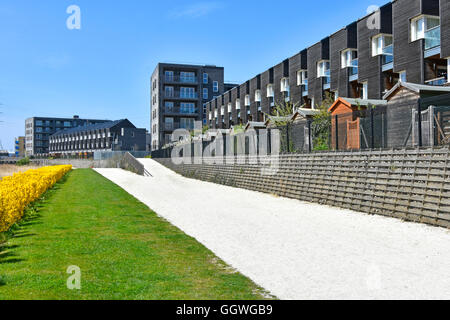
299, 250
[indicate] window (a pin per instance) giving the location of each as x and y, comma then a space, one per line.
238, 104
270, 92
349, 58
187, 77
169, 76
168, 106
382, 45
421, 25
187, 108
169, 92
258, 95
403, 76
205, 94
323, 68
229, 107
205, 78
215, 86
284, 85
247, 100
187, 123
186, 92
364, 91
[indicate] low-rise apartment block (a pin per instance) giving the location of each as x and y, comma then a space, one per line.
120, 135
39, 129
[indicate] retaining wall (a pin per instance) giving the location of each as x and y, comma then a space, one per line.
411, 184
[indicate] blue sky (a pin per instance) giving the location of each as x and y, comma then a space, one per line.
103, 70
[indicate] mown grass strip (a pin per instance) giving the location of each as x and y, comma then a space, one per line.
124, 251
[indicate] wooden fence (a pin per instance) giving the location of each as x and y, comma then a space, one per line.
411, 184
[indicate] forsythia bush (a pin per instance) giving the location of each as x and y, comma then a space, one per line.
21, 189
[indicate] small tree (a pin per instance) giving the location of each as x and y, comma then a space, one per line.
321, 125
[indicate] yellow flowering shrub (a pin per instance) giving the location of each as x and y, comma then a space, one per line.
21, 189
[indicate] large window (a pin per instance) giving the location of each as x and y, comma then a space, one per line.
186, 92
323, 68
270, 92
382, 45
187, 108
258, 95
187, 77
349, 58
169, 76
169, 92
205, 94
284, 85
247, 100
187, 123
205, 78
215, 86
168, 106
421, 25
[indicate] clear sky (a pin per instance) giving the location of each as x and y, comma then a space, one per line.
103, 70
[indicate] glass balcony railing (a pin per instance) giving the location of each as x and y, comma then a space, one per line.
181, 110
180, 79
388, 54
433, 38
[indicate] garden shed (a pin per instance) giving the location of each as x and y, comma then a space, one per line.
404, 101
356, 123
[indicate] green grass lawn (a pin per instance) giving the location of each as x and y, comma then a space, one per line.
124, 250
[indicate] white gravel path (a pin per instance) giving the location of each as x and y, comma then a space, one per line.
298, 250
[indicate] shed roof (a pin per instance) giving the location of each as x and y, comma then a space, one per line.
417, 88
349, 102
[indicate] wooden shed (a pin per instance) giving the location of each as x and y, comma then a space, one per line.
402, 114
347, 132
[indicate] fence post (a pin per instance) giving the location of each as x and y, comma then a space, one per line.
372, 129
337, 132
419, 112
287, 139
309, 136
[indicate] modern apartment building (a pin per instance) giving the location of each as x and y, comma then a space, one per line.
19, 147
39, 129
120, 135
405, 40
178, 97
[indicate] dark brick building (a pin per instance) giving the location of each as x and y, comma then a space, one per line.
405, 40
120, 135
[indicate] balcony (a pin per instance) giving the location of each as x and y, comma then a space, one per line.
180, 79
181, 111
433, 38
181, 95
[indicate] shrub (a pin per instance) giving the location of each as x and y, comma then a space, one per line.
22, 189
23, 162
